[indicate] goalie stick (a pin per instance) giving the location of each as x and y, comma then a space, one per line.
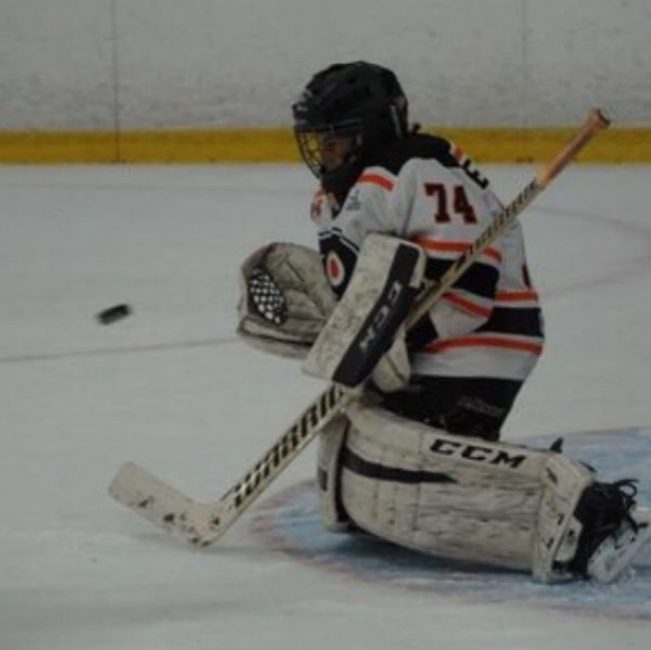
202, 524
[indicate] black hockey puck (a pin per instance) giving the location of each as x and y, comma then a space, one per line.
112, 314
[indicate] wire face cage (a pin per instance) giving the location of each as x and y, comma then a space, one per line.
326, 148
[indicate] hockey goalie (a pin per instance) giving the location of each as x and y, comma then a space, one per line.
416, 457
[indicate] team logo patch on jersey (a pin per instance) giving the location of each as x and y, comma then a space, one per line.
353, 203
334, 269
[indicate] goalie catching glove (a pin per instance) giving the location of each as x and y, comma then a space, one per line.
285, 299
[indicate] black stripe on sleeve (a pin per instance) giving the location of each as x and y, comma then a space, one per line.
510, 320
480, 279
422, 333
344, 240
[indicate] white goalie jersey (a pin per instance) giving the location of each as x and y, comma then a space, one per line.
424, 190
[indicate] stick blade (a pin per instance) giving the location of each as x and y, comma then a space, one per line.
165, 506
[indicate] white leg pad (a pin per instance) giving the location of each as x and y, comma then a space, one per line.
456, 497
557, 530
331, 441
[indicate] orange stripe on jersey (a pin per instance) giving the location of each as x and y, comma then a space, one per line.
486, 341
444, 246
467, 305
516, 296
376, 179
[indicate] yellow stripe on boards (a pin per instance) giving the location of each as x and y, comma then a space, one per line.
251, 145
502, 145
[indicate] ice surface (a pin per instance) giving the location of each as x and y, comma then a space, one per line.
170, 387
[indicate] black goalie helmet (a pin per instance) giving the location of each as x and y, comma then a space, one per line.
343, 112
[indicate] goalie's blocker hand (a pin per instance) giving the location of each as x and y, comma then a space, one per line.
364, 336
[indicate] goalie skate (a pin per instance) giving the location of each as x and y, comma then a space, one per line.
618, 551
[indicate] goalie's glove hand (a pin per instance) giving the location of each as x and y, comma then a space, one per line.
285, 299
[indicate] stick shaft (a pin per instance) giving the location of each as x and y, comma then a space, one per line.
297, 436
595, 122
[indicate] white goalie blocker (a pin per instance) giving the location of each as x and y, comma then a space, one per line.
363, 337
